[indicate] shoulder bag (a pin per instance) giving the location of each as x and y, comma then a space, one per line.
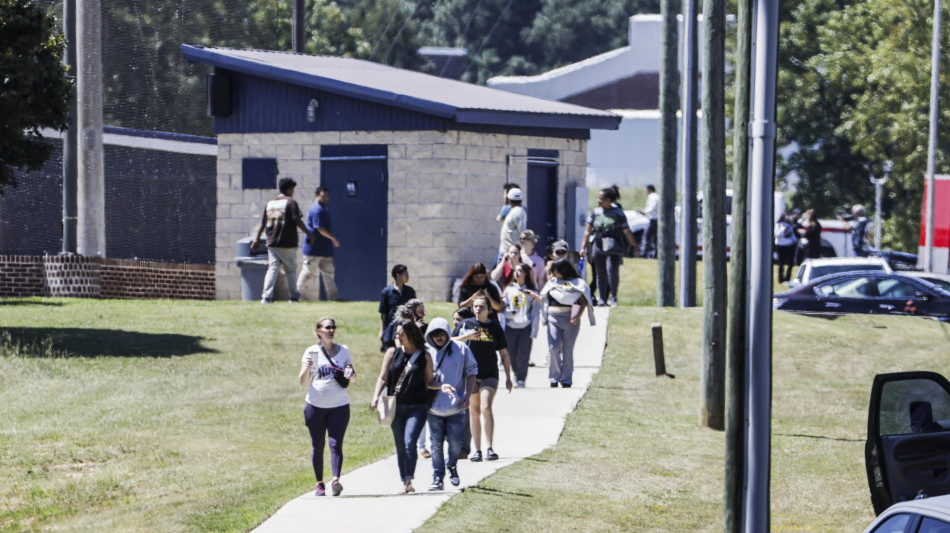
386, 407
338, 374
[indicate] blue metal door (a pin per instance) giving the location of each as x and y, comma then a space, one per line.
542, 202
359, 187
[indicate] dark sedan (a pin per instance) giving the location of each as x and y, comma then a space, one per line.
866, 292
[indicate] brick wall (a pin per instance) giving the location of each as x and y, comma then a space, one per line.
438, 235
94, 277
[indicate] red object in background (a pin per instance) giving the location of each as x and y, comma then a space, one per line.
941, 213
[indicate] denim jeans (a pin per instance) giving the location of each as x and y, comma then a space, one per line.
407, 424
519, 350
444, 428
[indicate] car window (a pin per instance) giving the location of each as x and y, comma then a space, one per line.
932, 525
940, 282
913, 406
860, 287
894, 524
896, 288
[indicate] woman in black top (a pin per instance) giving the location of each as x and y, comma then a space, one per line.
476, 283
811, 234
484, 337
411, 398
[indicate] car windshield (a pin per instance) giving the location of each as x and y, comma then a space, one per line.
823, 270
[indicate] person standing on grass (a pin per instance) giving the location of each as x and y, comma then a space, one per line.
318, 257
327, 408
785, 245
522, 307
486, 339
652, 211
392, 297
454, 379
606, 229
280, 220
405, 373
563, 299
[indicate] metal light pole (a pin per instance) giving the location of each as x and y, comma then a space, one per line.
932, 145
688, 159
878, 185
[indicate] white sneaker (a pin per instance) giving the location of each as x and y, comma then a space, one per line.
519, 384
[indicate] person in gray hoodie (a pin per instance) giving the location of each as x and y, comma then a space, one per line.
454, 379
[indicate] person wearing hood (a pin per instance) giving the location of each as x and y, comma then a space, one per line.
454, 381
563, 300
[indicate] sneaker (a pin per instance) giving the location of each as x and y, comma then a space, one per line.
424, 453
520, 384
270, 301
336, 487
294, 300
491, 455
565, 385
612, 302
531, 363
436, 484
554, 384
454, 476
321, 490
598, 302
477, 458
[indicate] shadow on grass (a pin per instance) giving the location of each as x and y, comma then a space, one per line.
840, 439
29, 302
85, 342
478, 489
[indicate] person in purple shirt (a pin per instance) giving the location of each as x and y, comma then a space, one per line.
318, 257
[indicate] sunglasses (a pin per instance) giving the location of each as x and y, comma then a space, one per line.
328, 327
560, 252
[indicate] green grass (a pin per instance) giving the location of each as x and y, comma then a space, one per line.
165, 416
186, 416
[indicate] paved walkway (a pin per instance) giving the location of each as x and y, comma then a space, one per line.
527, 421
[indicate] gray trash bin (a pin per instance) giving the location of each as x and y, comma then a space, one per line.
253, 267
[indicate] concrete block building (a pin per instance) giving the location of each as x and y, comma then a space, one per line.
415, 164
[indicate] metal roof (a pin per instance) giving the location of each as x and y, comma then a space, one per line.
463, 102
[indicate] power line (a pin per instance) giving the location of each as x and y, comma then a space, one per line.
383, 34
485, 40
392, 43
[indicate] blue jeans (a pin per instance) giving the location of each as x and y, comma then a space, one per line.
407, 424
442, 428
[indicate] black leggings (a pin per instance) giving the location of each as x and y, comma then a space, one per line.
322, 422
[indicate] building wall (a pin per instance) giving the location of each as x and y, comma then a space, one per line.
445, 191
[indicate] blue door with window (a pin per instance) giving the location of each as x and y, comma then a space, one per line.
359, 189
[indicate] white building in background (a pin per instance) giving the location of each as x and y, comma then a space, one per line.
625, 81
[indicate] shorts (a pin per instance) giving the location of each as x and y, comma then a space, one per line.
487, 383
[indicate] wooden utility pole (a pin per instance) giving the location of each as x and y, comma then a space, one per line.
669, 100
736, 351
712, 410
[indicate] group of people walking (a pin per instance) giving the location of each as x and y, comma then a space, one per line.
445, 377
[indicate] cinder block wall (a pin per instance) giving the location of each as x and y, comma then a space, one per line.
444, 194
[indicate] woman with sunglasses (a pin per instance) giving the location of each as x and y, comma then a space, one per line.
405, 372
327, 408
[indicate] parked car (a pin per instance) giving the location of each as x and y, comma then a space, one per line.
928, 515
907, 452
865, 291
811, 269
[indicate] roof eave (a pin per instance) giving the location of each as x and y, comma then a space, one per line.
537, 120
196, 54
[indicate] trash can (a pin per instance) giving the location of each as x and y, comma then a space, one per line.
253, 265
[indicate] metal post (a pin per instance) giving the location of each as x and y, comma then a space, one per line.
90, 204
878, 186
688, 159
759, 382
932, 145
70, 139
298, 32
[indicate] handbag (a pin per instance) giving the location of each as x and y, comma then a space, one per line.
386, 406
338, 374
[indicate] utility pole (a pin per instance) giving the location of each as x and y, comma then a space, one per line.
759, 397
878, 186
669, 80
712, 408
736, 351
90, 212
70, 139
298, 28
688, 159
932, 144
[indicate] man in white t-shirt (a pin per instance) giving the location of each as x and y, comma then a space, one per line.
515, 222
652, 211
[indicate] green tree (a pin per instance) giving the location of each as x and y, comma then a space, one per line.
34, 87
855, 84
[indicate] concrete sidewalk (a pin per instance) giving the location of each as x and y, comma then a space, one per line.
527, 421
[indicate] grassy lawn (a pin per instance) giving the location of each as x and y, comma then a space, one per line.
186, 416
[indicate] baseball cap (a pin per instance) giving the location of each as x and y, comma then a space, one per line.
516, 195
560, 245
528, 235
